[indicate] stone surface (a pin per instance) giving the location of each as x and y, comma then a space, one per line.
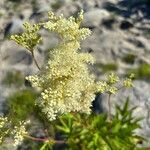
94, 17
21, 57
14, 27
125, 25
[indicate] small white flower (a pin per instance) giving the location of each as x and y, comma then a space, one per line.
19, 132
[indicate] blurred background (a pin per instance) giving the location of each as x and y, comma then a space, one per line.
120, 42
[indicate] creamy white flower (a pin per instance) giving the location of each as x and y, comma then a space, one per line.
3, 120
65, 81
19, 132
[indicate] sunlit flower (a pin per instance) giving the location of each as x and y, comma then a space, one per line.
18, 132
65, 81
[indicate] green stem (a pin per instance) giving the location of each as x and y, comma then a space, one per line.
109, 107
44, 146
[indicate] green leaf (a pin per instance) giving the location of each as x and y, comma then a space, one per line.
64, 129
126, 106
117, 127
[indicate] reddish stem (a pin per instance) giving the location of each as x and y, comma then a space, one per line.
45, 139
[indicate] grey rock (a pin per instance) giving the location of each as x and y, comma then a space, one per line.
103, 42
88, 5
14, 27
137, 43
94, 17
125, 25
145, 42
112, 7
2, 109
108, 23
134, 3
64, 1
97, 104
68, 9
21, 57
36, 16
43, 6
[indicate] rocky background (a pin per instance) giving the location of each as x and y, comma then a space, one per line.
120, 42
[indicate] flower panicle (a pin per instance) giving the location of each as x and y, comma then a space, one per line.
30, 38
68, 29
19, 132
65, 82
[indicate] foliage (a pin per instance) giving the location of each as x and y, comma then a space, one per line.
21, 104
96, 132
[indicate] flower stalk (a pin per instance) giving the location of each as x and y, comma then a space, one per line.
45, 140
109, 107
36, 63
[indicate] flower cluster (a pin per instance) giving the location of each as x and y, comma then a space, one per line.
30, 38
19, 132
68, 29
112, 78
111, 85
65, 82
128, 81
108, 85
3, 120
